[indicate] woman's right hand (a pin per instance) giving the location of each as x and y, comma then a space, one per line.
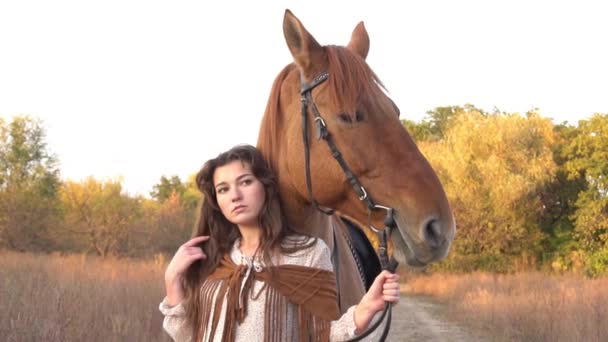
384, 289
184, 257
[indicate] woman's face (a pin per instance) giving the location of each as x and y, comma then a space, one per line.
240, 195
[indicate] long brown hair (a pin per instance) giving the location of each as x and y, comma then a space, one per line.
224, 233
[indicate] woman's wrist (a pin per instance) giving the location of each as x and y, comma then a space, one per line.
175, 290
362, 316
172, 278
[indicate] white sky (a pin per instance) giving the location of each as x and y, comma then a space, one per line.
142, 89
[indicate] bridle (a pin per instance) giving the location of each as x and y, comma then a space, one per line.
389, 221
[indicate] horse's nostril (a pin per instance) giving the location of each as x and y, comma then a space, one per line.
432, 233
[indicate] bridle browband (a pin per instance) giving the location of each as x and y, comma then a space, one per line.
323, 133
389, 221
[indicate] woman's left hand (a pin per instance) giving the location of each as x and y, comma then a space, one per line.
384, 289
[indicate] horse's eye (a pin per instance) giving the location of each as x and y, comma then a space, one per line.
344, 117
358, 116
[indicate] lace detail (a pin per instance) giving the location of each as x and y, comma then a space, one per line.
254, 261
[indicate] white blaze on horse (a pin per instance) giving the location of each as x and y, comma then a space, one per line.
362, 161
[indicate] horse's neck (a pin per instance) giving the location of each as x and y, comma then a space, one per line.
333, 232
306, 219
302, 216
316, 224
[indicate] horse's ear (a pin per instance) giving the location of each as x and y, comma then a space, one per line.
359, 41
304, 48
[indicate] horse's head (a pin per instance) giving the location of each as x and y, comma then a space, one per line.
365, 127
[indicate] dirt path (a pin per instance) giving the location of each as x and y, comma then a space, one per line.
419, 319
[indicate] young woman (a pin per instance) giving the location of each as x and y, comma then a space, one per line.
246, 276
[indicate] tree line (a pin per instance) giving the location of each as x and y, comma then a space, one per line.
525, 192
39, 212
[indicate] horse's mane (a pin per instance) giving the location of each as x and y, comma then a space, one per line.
350, 78
268, 141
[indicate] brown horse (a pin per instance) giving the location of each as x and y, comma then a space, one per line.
364, 125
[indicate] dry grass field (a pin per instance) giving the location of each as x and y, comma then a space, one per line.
84, 298
523, 306
79, 298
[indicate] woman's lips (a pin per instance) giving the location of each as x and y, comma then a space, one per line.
239, 208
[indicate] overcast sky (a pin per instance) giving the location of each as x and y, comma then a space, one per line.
141, 89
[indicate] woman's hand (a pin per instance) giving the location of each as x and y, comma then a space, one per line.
184, 257
384, 289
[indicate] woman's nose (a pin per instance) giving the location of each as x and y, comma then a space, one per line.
236, 195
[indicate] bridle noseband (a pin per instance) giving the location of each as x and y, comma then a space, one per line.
389, 221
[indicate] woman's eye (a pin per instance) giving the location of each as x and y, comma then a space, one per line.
247, 181
222, 190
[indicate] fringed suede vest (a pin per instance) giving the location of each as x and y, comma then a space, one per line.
313, 291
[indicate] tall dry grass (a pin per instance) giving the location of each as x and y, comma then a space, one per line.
79, 298
523, 307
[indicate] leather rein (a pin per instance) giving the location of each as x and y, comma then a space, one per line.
389, 221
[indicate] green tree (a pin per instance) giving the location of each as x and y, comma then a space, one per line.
439, 119
436, 122
587, 158
558, 199
166, 187
191, 196
187, 192
420, 131
29, 182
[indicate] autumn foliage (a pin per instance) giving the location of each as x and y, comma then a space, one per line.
524, 190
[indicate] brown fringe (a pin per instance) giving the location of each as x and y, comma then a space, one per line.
208, 290
312, 291
312, 328
273, 317
217, 308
